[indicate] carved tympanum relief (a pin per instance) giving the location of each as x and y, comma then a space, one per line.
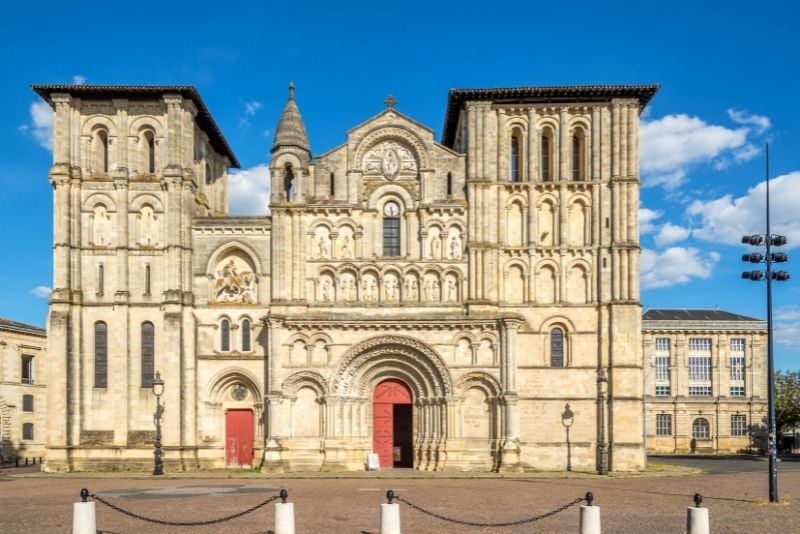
234, 280
390, 159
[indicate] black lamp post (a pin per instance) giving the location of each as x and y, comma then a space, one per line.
567, 418
602, 445
158, 390
768, 240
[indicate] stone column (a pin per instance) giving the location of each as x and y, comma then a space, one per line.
624, 141
615, 139
596, 142
533, 145
563, 145
472, 140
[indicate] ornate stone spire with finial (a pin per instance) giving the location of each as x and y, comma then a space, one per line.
291, 132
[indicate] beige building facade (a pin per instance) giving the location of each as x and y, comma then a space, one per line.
445, 304
705, 381
23, 391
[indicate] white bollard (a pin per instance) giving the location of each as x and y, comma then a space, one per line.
590, 516
390, 516
284, 518
84, 520
697, 521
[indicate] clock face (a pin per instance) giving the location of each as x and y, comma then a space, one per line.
391, 209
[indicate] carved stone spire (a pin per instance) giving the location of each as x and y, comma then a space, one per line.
291, 132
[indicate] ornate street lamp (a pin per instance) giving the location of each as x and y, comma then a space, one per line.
158, 390
567, 418
602, 445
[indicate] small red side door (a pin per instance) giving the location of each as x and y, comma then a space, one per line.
386, 395
239, 438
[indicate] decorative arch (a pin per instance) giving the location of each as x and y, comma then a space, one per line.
146, 122
406, 358
227, 378
557, 320
305, 379
95, 122
404, 135
229, 247
146, 198
481, 380
387, 192
99, 198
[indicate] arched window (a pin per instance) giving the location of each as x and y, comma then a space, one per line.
515, 159
148, 354
147, 279
701, 429
449, 183
150, 151
100, 279
289, 186
225, 336
101, 151
547, 175
333, 185
100, 355
246, 335
577, 156
556, 347
391, 229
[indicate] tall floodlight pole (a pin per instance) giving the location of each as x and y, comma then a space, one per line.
768, 240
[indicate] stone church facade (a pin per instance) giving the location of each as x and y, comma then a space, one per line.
464, 304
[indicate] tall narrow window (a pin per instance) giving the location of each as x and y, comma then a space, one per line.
225, 336
515, 174
150, 151
737, 368
699, 367
289, 186
701, 429
27, 430
333, 185
577, 158
662, 367
100, 279
27, 369
391, 229
556, 347
100, 355
449, 184
148, 354
545, 159
738, 425
147, 279
102, 150
246, 335
663, 424
27, 403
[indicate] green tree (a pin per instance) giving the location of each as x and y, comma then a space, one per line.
787, 400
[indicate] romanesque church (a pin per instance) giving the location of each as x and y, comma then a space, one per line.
463, 303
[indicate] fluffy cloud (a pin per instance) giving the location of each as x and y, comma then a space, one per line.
42, 292
647, 219
248, 191
671, 145
727, 219
675, 265
787, 326
671, 233
760, 122
251, 107
79, 79
41, 125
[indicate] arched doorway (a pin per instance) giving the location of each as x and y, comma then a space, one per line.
392, 424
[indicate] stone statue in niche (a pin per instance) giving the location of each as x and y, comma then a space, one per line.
436, 247
326, 290
455, 247
230, 285
410, 288
147, 227
365, 295
373, 290
347, 251
390, 288
452, 293
100, 226
435, 289
322, 245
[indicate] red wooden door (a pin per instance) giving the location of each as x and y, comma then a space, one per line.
386, 395
239, 438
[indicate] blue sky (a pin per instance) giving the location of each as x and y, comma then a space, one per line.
728, 70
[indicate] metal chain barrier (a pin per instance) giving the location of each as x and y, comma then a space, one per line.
134, 515
390, 495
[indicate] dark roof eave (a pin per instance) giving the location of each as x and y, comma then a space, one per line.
544, 94
138, 92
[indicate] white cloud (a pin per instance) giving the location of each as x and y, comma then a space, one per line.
787, 326
42, 292
671, 233
675, 265
646, 220
79, 79
41, 125
727, 219
671, 145
248, 191
251, 107
741, 116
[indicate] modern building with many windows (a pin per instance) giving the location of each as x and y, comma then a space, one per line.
705, 381
23, 394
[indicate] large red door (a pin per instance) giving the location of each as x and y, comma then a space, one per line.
386, 395
239, 438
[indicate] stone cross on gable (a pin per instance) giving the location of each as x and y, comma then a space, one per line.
390, 101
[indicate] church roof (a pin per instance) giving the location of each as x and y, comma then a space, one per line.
21, 328
660, 314
291, 131
537, 95
142, 92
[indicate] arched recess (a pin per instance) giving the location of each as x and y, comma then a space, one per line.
480, 416
515, 282
578, 279
99, 198
233, 273
402, 135
388, 192
515, 223
306, 391
547, 217
547, 283
579, 220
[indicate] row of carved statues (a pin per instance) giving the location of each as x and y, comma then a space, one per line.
392, 288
